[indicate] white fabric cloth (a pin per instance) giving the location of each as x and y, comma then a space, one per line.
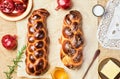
109, 29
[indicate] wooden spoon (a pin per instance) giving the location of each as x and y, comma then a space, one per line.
94, 58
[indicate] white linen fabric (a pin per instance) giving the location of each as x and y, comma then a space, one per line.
108, 33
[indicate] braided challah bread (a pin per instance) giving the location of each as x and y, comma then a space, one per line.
37, 43
72, 40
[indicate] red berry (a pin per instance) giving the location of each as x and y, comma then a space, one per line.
20, 7
7, 6
9, 42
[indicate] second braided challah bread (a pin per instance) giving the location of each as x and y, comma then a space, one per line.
72, 41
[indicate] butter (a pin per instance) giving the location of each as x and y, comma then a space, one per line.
110, 70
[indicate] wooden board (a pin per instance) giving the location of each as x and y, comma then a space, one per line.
6, 56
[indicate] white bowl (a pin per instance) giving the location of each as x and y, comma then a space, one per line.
98, 10
23, 15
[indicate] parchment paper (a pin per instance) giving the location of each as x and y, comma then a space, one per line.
54, 25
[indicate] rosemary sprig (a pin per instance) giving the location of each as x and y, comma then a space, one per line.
15, 63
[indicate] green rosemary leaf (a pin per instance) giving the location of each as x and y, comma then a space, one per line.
10, 67
15, 63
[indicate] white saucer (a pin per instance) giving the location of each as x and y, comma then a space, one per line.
9, 18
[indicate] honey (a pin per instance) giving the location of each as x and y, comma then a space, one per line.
59, 73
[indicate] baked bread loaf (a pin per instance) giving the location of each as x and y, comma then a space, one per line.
37, 43
72, 40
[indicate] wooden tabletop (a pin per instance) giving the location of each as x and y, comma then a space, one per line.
6, 56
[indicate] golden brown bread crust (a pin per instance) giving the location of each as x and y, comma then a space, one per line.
72, 40
37, 43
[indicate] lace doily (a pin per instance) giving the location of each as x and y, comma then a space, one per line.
108, 33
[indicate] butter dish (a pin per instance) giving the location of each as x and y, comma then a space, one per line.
109, 68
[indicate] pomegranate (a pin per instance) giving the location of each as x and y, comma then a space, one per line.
13, 7
7, 6
18, 0
20, 7
25, 1
9, 42
64, 4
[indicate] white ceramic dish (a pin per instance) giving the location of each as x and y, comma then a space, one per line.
9, 18
98, 10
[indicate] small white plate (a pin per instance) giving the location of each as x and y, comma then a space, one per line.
9, 18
